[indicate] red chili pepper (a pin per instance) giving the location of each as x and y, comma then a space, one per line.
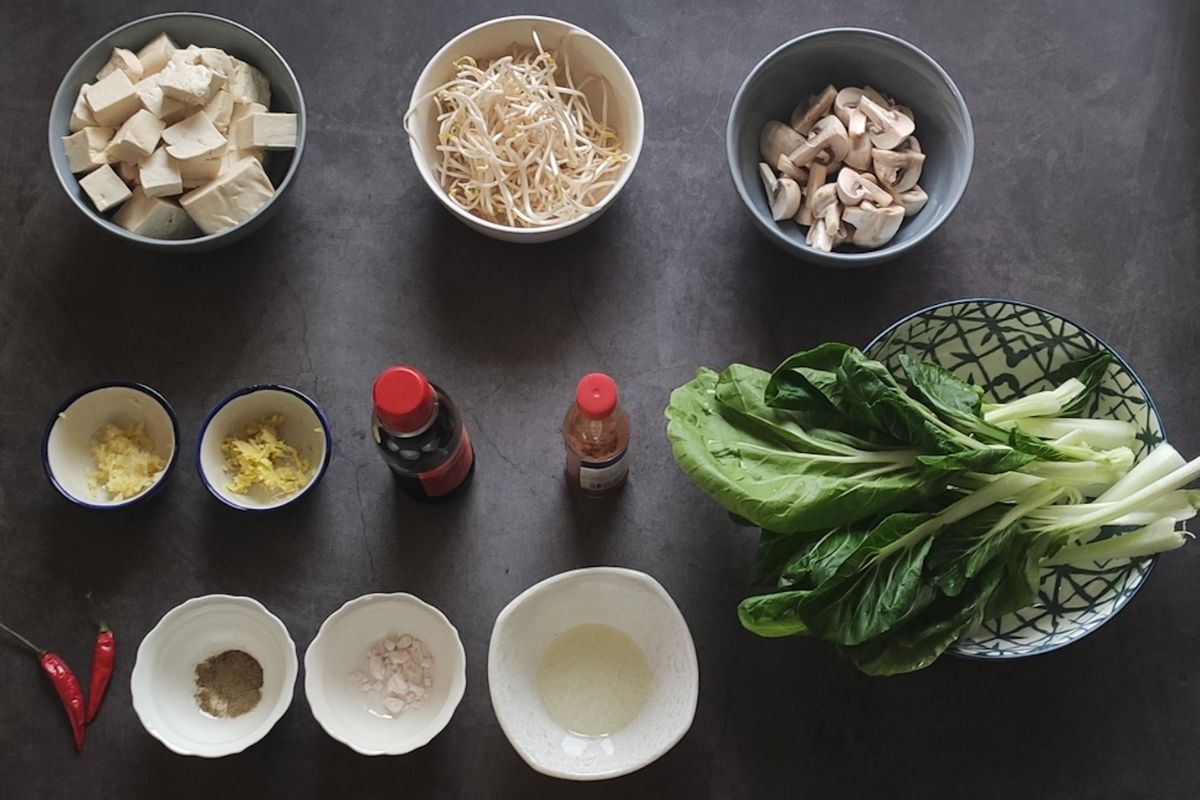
103, 655
64, 682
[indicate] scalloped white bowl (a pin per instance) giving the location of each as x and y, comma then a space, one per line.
629, 601
340, 650
163, 682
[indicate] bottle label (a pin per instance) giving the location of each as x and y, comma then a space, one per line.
449, 475
599, 476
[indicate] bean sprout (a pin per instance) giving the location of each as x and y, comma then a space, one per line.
519, 148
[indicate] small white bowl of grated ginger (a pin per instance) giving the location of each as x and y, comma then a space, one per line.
263, 447
111, 445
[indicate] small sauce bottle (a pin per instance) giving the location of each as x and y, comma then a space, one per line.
420, 435
596, 433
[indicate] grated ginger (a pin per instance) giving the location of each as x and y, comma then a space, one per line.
264, 459
126, 464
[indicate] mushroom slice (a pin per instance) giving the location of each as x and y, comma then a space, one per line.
828, 134
804, 215
843, 234
912, 200
905, 110
785, 201
897, 171
778, 139
768, 178
859, 155
825, 207
819, 237
788, 167
817, 175
886, 128
806, 114
910, 145
853, 188
873, 226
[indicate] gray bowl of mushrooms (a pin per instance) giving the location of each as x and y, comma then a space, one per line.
849, 146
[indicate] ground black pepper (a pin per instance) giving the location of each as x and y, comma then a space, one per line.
228, 684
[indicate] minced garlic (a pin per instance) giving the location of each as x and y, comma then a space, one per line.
126, 464
265, 459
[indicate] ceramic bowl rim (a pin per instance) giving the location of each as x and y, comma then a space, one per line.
65, 94
458, 680
1125, 365
138, 498
326, 433
639, 128
866, 257
571, 576
291, 667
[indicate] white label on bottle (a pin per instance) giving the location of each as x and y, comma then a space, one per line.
595, 477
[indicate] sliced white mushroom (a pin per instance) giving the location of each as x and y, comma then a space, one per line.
818, 174
826, 208
887, 128
897, 171
819, 237
778, 139
873, 226
768, 178
829, 134
910, 145
807, 113
785, 201
911, 200
788, 167
843, 234
853, 188
905, 110
804, 215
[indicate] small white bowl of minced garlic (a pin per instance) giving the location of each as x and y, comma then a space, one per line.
263, 447
111, 445
593, 673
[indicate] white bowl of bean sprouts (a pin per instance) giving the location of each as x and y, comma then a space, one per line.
526, 128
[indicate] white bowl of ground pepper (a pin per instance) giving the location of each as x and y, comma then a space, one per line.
385, 673
214, 675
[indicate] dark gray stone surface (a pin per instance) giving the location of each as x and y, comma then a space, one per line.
1083, 199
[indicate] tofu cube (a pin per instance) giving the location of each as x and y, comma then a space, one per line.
155, 55
196, 172
81, 115
159, 174
194, 137
155, 217
248, 85
231, 199
105, 188
137, 138
218, 61
123, 60
240, 128
86, 148
168, 109
273, 131
128, 173
219, 110
112, 99
232, 157
193, 83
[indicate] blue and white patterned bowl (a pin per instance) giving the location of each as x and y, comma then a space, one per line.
1007, 348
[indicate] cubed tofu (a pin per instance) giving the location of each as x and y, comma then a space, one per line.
155, 55
81, 115
232, 157
125, 61
248, 85
112, 99
196, 172
194, 137
159, 174
273, 131
231, 199
137, 138
193, 83
219, 110
105, 188
169, 109
240, 128
218, 61
155, 217
128, 172
86, 148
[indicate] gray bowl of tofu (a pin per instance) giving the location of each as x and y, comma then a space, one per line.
178, 132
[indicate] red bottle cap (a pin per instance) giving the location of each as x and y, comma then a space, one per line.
404, 400
596, 395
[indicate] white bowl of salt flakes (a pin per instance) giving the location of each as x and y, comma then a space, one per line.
385, 673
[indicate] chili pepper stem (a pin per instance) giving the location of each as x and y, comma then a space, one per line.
21, 639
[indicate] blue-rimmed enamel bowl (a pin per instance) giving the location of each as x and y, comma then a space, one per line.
1007, 348
67, 444
305, 427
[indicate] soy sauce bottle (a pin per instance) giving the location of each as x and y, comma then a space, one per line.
421, 435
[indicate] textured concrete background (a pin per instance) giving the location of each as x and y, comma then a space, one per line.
1083, 199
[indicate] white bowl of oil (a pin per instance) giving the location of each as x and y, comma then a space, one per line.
593, 673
